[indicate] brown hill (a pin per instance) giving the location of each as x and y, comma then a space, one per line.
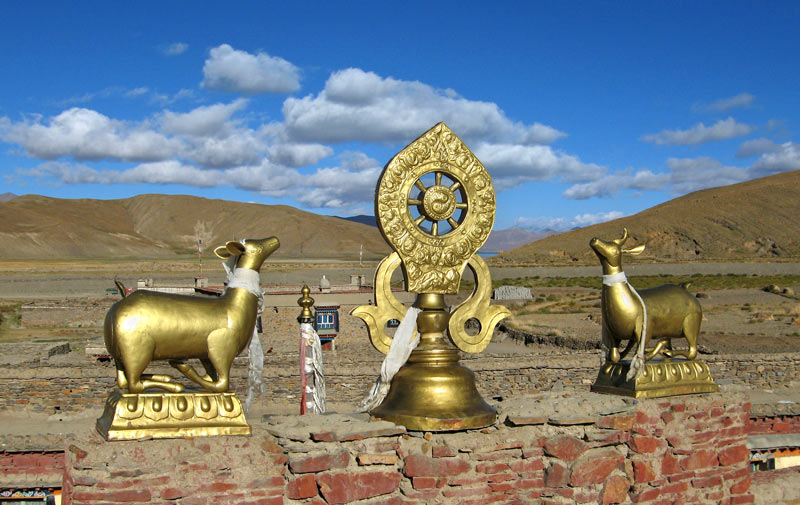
155, 226
758, 219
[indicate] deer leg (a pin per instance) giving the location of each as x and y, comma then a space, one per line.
138, 382
189, 371
211, 372
655, 350
691, 330
222, 366
628, 347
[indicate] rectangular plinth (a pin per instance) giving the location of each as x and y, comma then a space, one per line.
171, 415
667, 377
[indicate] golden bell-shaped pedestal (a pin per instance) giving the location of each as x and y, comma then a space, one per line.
432, 391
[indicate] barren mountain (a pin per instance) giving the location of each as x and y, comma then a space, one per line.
154, 226
758, 219
503, 240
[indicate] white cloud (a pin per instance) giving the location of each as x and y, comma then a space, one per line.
785, 158
229, 69
163, 172
742, 100
176, 48
298, 155
684, 176
362, 106
511, 165
755, 147
85, 134
202, 121
700, 133
560, 224
349, 184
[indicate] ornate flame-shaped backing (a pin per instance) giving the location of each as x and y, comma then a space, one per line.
435, 206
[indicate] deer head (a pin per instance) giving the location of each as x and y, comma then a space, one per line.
610, 252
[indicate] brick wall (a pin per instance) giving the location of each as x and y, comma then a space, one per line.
684, 449
773, 425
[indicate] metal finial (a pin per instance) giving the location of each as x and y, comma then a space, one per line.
306, 302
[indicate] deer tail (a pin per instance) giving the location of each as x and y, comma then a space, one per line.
685, 285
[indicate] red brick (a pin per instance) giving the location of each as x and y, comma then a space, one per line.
494, 456
713, 481
677, 477
501, 477
647, 495
615, 490
644, 444
423, 494
466, 481
345, 487
126, 495
642, 472
530, 483
319, 463
526, 465
594, 466
733, 455
557, 475
427, 482
501, 486
366, 459
700, 459
302, 487
565, 447
443, 451
741, 487
491, 468
418, 465
172, 493
742, 498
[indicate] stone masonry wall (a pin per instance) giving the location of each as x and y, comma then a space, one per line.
678, 450
349, 375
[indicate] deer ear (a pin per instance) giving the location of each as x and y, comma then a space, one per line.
235, 247
635, 250
222, 252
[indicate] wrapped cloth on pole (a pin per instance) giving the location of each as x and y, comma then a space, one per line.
312, 379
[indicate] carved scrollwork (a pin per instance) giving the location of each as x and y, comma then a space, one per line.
435, 205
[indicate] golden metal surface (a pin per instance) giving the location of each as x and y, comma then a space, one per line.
386, 305
669, 312
666, 377
672, 312
476, 306
171, 415
148, 326
435, 206
306, 302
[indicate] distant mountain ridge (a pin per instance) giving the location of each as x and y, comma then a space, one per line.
156, 226
510, 238
7, 196
757, 219
361, 218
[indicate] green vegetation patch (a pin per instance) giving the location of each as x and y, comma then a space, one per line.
700, 282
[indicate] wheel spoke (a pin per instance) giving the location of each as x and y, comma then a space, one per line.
420, 186
435, 228
414, 201
462, 205
418, 220
438, 178
452, 222
455, 186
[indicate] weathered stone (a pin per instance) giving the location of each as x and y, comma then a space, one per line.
345, 487
302, 487
615, 490
319, 462
594, 466
417, 465
565, 447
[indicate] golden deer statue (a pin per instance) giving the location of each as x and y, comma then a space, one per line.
657, 314
148, 325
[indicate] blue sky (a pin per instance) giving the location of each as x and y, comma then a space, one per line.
581, 111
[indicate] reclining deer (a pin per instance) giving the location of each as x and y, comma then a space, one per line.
657, 314
149, 325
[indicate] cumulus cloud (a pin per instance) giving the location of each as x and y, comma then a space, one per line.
176, 48
754, 147
229, 69
298, 155
350, 183
786, 157
86, 134
560, 224
684, 176
511, 165
201, 121
356, 105
700, 133
742, 100
163, 172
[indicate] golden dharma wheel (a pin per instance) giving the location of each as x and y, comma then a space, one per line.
435, 206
